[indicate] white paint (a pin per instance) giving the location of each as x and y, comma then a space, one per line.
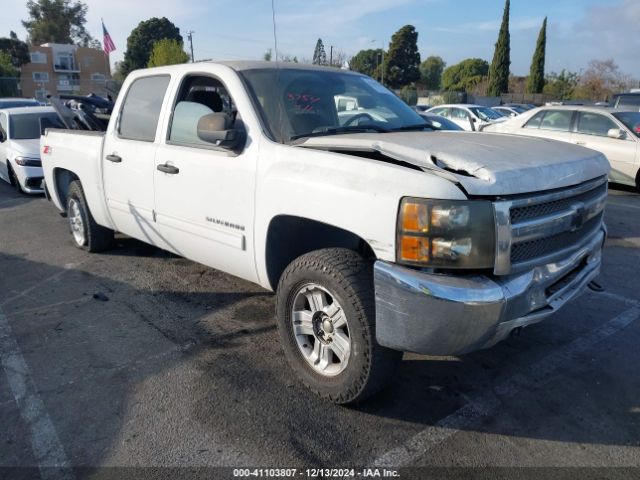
487, 404
45, 443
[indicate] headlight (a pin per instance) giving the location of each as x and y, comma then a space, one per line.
446, 233
28, 162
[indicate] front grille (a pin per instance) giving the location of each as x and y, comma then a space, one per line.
519, 214
541, 247
545, 228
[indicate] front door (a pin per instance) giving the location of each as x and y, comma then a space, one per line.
204, 193
592, 132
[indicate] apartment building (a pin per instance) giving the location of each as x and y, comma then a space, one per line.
56, 69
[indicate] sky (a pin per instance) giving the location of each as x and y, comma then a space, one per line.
578, 30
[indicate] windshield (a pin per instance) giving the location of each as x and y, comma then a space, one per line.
486, 114
631, 121
28, 125
295, 103
18, 103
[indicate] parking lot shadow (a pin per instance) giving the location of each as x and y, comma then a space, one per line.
142, 375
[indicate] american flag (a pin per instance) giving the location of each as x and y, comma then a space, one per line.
107, 43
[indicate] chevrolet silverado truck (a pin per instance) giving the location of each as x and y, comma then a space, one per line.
378, 235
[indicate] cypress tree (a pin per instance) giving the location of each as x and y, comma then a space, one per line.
499, 71
535, 82
402, 65
319, 55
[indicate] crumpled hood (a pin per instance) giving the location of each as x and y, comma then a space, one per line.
25, 148
483, 163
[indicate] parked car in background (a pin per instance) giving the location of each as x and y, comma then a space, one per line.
439, 123
524, 106
468, 117
20, 130
12, 102
509, 111
613, 132
626, 100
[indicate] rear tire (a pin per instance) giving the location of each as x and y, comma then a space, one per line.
86, 233
326, 319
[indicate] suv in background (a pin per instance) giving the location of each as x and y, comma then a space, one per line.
626, 100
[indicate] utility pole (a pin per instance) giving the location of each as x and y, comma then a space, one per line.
190, 37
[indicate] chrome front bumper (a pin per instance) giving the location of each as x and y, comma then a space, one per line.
435, 314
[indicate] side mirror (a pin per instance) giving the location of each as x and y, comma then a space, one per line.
616, 133
215, 128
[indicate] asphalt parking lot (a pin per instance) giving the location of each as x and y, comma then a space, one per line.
178, 365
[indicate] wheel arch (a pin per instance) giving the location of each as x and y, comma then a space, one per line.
289, 237
62, 179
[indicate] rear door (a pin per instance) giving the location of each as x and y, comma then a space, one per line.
592, 131
128, 159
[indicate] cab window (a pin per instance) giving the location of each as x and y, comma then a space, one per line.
199, 96
141, 109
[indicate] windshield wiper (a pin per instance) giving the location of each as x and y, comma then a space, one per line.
418, 126
338, 130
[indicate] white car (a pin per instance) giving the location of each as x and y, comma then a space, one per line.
613, 132
469, 117
20, 130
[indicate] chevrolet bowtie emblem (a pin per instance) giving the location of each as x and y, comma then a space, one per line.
579, 216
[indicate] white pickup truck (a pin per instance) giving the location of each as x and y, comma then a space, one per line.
378, 235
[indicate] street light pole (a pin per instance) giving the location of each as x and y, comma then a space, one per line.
190, 37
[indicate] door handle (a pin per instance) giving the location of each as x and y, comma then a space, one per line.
114, 158
170, 169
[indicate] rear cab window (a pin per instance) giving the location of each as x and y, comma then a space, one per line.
141, 108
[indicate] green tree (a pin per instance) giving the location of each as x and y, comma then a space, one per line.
464, 76
535, 82
368, 62
57, 21
141, 40
499, 71
409, 94
319, 55
560, 86
9, 75
431, 72
402, 64
267, 55
16, 49
167, 52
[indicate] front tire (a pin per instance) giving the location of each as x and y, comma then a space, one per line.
86, 233
326, 320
